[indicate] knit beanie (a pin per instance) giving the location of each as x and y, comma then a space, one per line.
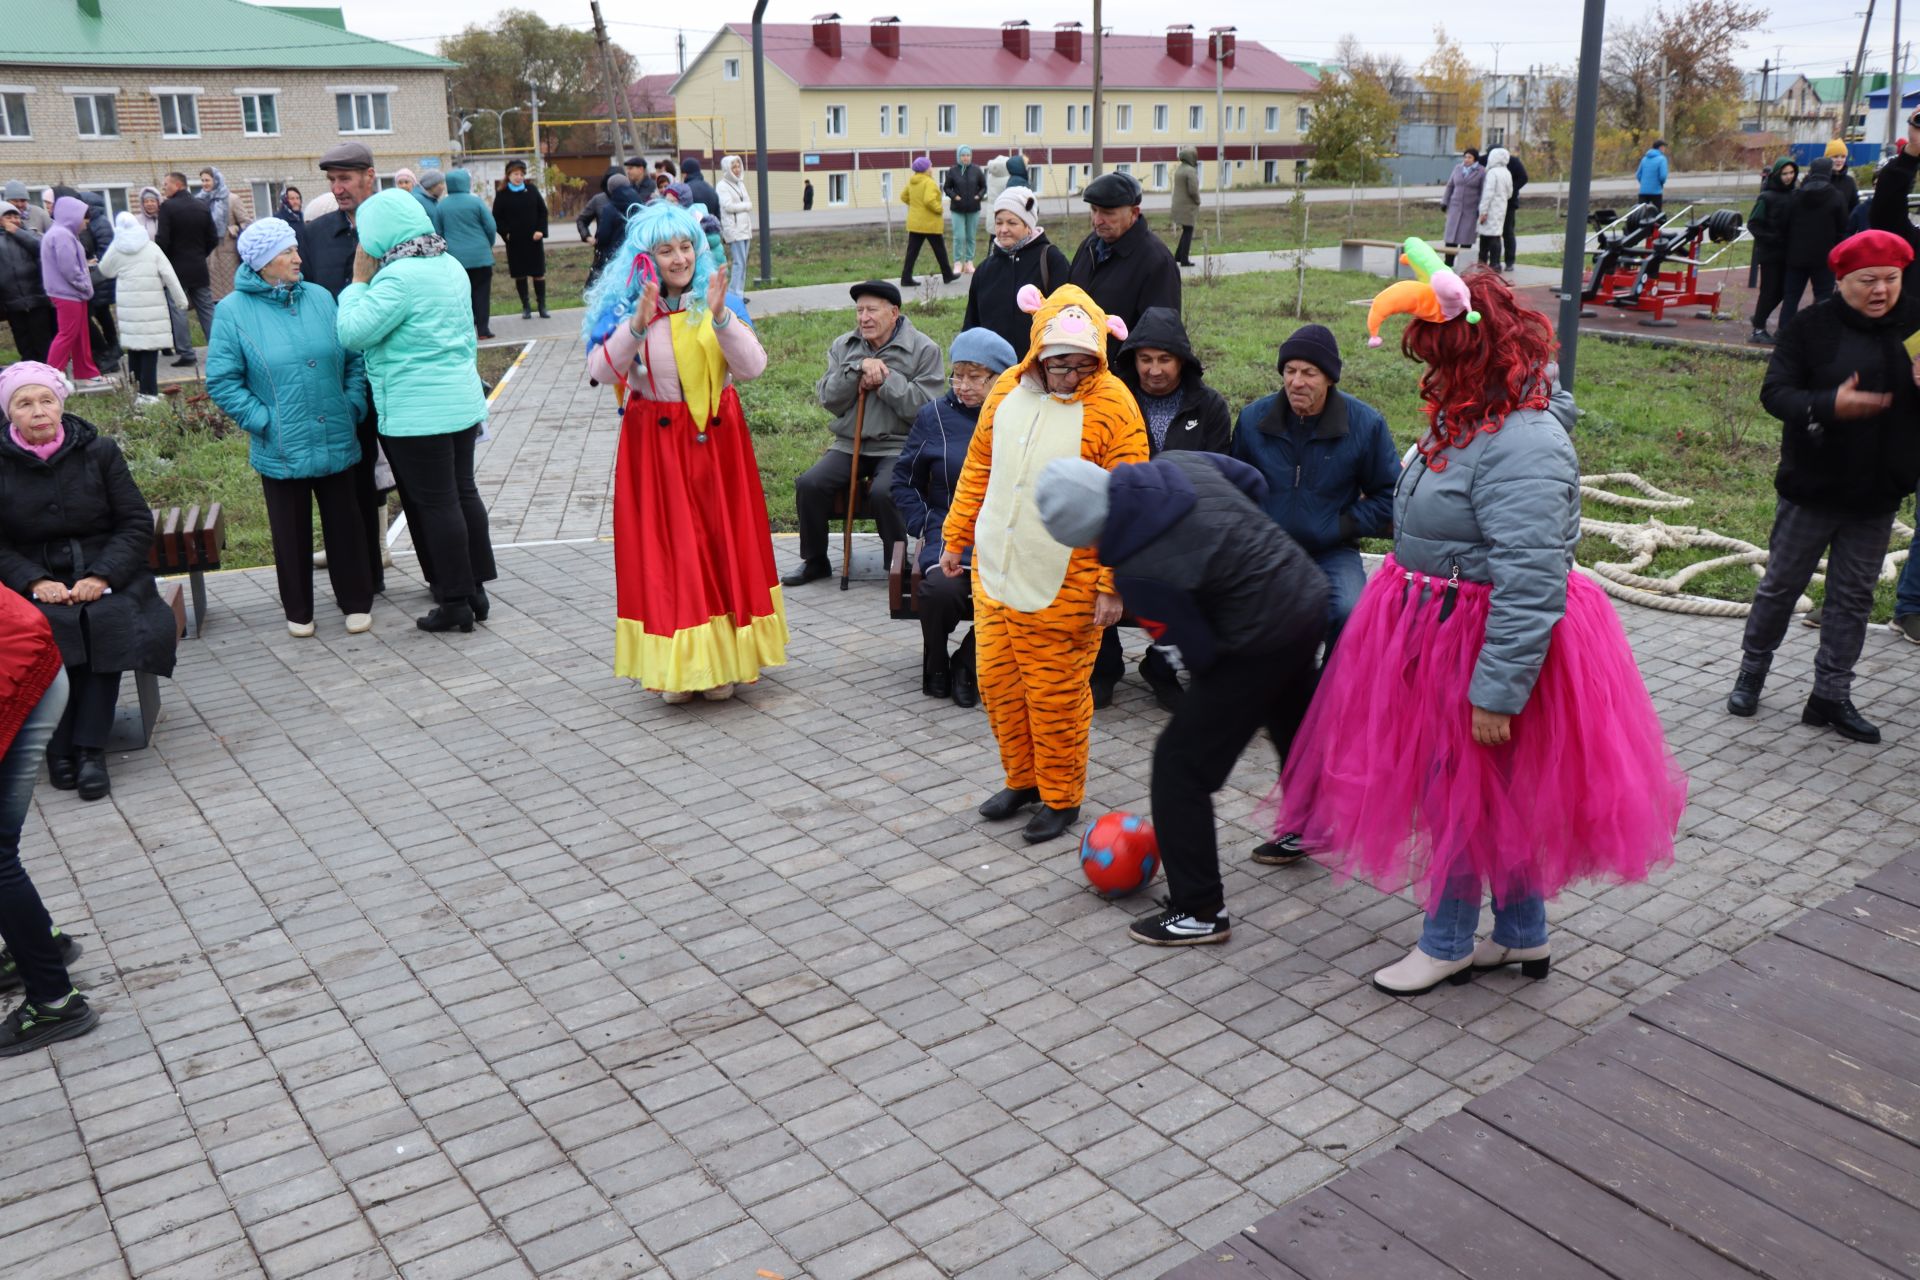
1020, 202
15, 190
1315, 344
1836, 150
29, 373
921, 164
983, 347
1072, 500
431, 178
264, 240
404, 173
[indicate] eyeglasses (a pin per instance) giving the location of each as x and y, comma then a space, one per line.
979, 379
1064, 367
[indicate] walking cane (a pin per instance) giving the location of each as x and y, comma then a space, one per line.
853, 491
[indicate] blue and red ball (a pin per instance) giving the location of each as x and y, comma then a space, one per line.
1119, 854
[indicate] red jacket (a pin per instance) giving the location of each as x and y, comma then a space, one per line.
29, 660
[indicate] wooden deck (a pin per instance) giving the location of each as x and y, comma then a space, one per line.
1760, 1120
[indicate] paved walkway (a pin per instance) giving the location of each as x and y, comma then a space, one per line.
456, 957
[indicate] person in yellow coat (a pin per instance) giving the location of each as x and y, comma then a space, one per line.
1039, 608
926, 222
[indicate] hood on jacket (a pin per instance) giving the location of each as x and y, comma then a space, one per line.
690, 169
1498, 157
459, 182
387, 219
1773, 180
1821, 170
1144, 500
247, 280
140, 203
1190, 155
70, 212
726, 170
1160, 328
1069, 308
129, 236
997, 166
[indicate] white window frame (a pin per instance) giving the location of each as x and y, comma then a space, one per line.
1496, 136
1302, 117
1196, 118
259, 95
1270, 169
92, 96
114, 193
990, 120
836, 182
369, 92
1035, 119
1239, 119
886, 120
1272, 120
900, 119
886, 186
730, 68
946, 119
837, 112
1162, 116
7, 131
276, 187
163, 95
1123, 117
1073, 113
1159, 176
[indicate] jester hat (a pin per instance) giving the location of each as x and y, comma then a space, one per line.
1437, 295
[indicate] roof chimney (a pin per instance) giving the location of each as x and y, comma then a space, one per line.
826, 33
1222, 46
90, 7
1016, 39
885, 34
1180, 43
1066, 40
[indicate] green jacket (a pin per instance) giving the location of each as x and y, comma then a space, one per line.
414, 325
1186, 188
275, 364
465, 222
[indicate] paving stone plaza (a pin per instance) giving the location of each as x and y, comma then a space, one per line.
448, 957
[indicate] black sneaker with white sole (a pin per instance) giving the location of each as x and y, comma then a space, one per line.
1170, 928
66, 944
32, 1026
1283, 852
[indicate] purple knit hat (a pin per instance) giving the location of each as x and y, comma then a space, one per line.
30, 373
922, 165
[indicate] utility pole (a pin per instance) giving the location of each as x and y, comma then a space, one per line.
760, 142
1854, 74
1896, 86
1586, 114
1486, 99
1761, 123
537, 161
680, 45
1662, 131
617, 106
1216, 42
1526, 107
1099, 165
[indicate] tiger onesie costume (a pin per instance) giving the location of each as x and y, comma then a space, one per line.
1033, 599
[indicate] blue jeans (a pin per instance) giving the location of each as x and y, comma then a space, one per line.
737, 254
966, 231
1448, 932
25, 927
1346, 579
1906, 599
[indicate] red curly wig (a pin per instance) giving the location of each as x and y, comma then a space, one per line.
1477, 374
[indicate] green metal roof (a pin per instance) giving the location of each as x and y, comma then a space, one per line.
326, 17
194, 33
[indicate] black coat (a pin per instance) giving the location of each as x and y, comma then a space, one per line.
20, 287
1518, 172
1200, 564
1865, 465
1203, 420
518, 214
75, 515
1138, 273
966, 187
1767, 222
703, 192
327, 245
622, 198
584, 224
1888, 211
186, 235
1816, 220
992, 298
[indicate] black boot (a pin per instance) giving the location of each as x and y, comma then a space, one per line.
1049, 823
526, 307
480, 604
1008, 802
1837, 713
1745, 698
452, 615
966, 681
91, 774
62, 771
540, 296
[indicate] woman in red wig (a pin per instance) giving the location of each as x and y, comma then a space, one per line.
1482, 726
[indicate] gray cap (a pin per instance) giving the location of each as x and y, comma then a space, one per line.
15, 190
347, 155
1114, 190
1072, 498
431, 178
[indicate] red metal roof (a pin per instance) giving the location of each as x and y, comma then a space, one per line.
655, 92
973, 57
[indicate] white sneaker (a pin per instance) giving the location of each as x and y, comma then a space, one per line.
1420, 973
358, 622
1534, 962
299, 630
719, 693
675, 697
319, 559
145, 401
94, 384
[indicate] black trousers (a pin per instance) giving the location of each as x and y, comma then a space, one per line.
444, 510
814, 489
88, 721
1854, 544
368, 497
1508, 240
944, 604
1110, 664
1186, 245
481, 279
1658, 202
1773, 287
106, 334
33, 332
939, 243
146, 371
290, 521
1796, 281
1225, 706
1490, 250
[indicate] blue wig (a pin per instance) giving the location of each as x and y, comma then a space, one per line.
616, 294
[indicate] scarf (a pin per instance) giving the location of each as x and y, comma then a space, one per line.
428, 246
700, 362
40, 451
516, 186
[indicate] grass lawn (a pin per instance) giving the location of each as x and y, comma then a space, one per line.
1689, 422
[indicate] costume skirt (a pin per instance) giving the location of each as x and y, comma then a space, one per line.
1385, 781
699, 602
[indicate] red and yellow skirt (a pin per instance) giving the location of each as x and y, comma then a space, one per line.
698, 599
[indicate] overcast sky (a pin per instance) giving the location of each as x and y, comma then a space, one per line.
1809, 36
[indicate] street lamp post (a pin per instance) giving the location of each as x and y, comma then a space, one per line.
499, 122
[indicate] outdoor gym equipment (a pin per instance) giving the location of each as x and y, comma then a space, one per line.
1650, 263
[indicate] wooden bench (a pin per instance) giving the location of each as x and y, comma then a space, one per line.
133, 726
189, 543
1353, 255
903, 585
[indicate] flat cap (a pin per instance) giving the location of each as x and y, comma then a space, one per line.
346, 155
882, 289
1114, 190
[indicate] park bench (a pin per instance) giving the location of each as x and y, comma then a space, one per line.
189, 543
1353, 255
903, 584
133, 726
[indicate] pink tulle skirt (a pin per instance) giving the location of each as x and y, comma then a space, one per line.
1385, 781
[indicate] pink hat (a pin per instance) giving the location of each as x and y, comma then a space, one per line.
30, 373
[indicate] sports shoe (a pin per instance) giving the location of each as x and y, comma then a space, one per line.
676, 697
358, 623
1907, 627
68, 946
29, 1027
145, 401
1813, 616
1760, 338
299, 630
719, 693
1283, 852
1170, 928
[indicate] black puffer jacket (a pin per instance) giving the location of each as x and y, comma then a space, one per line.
1203, 420
1888, 211
1816, 218
965, 185
992, 298
75, 515
20, 288
1137, 273
1865, 465
1201, 566
1767, 223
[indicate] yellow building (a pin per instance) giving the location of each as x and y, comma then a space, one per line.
850, 108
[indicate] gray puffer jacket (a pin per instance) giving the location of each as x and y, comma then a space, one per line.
1505, 511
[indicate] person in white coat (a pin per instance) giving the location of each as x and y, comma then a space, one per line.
144, 285
1496, 193
736, 216
997, 179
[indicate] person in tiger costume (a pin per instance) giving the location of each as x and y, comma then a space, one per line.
1040, 608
